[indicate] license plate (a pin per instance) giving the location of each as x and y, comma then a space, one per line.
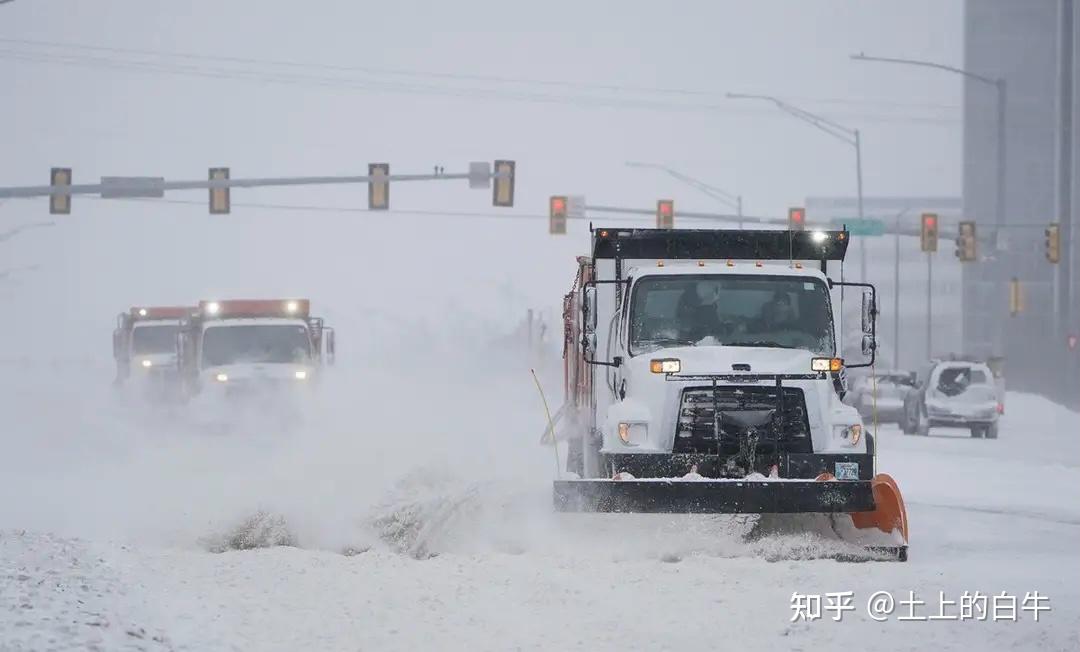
847, 471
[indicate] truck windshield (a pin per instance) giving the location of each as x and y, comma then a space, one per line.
267, 343
731, 310
155, 338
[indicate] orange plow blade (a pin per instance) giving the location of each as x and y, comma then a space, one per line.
889, 514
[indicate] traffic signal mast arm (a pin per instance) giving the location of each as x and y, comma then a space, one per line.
157, 185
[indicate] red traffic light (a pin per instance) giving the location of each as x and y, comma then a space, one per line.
930, 221
558, 205
666, 208
796, 218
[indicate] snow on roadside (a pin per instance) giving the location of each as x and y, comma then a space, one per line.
1027, 471
287, 599
58, 593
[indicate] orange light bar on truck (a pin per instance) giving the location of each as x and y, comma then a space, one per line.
160, 312
299, 308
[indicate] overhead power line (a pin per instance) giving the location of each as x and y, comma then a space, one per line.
334, 82
404, 72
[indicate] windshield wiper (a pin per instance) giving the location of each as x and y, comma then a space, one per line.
664, 340
763, 343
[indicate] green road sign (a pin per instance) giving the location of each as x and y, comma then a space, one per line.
866, 226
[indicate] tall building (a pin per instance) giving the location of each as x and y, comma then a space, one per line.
1018, 42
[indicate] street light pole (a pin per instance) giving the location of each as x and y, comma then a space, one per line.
838, 131
999, 86
1000, 196
728, 199
858, 175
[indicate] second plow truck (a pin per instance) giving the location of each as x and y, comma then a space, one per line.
703, 376
261, 348
144, 344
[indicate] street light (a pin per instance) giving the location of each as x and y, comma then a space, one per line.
999, 84
838, 131
724, 197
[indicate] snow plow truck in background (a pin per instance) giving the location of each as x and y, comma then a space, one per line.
252, 347
703, 375
144, 344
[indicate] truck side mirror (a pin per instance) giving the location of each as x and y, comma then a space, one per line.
869, 312
868, 345
116, 348
331, 347
588, 309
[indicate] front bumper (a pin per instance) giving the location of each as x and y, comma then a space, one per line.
713, 496
789, 465
944, 416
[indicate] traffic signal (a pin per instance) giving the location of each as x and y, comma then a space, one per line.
796, 219
966, 243
503, 192
557, 215
665, 214
1053, 242
60, 204
378, 193
929, 234
1016, 297
220, 198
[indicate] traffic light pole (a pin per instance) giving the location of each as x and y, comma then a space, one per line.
929, 305
896, 292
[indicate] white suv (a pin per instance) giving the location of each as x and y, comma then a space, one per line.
953, 393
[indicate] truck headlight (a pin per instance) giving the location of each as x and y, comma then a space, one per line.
300, 375
826, 364
850, 435
147, 364
222, 378
665, 366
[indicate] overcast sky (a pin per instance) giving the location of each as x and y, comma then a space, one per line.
173, 116
569, 89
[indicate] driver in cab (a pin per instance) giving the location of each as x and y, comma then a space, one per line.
776, 315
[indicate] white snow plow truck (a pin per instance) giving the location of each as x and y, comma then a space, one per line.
703, 376
144, 343
240, 348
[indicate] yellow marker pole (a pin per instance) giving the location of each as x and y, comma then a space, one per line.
551, 424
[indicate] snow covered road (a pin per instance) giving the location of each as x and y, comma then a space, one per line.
104, 533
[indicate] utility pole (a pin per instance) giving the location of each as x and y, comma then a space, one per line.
838, 131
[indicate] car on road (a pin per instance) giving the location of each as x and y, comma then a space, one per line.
892, 387
953, 393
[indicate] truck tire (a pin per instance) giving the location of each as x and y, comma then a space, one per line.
991, 431
978, 432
